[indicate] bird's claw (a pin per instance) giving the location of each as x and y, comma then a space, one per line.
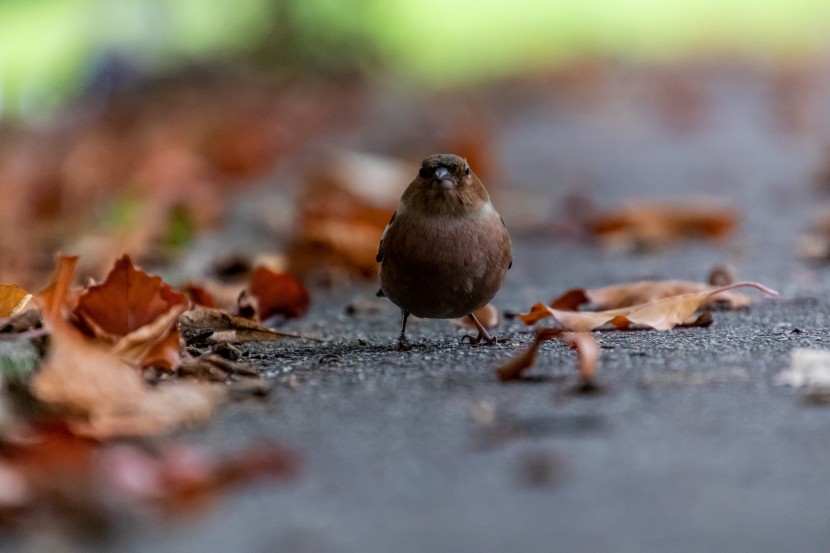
476, 340
403, 345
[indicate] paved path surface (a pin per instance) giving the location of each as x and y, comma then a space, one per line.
691, 448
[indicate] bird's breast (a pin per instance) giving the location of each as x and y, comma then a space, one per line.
442, 265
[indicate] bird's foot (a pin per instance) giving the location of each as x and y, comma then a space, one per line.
482, 333
482, 337
403, 344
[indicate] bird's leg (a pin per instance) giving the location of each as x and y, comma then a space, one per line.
482, 333
403, 343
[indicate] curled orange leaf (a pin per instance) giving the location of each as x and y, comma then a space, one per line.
586, 346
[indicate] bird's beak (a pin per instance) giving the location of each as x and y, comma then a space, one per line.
442, 175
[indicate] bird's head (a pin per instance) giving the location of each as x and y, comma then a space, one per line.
446, 171
446, 182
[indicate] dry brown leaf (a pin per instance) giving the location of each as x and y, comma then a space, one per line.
277, 294
134, 311
650, 226
224, 327
13, 300
127, 300
662, 314
514, 369
586, 346
587, 350
104, 396
155, 344
644, 291
488, 316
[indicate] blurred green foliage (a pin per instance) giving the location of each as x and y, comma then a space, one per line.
48, 48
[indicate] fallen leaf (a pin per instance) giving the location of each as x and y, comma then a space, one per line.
128, 299
645, 291
661, 314
587, 349
13, 300
277, 294
215, 325
154, 344
650, 226
586, 346
136, 313
101, 395
514, 369
488, 316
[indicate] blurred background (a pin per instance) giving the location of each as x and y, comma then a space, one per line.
130, 125
53, 50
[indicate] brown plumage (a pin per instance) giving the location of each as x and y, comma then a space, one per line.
446, 250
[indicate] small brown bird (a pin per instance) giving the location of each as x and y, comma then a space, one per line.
446, 250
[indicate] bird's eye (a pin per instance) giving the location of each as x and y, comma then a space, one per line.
466, 169
423, 173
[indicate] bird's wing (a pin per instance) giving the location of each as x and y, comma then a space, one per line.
379, 256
